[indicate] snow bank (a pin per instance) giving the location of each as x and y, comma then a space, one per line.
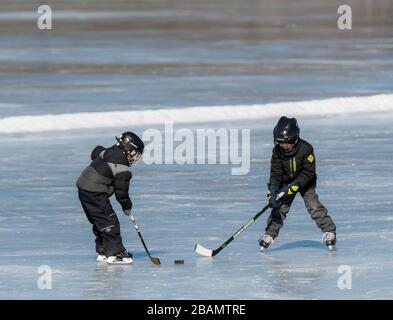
203, 114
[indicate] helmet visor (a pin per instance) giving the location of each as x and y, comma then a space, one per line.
286, 140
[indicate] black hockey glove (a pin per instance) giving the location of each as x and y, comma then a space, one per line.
272, 194
127, 212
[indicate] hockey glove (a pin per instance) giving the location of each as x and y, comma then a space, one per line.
272, 194
288, 192
127, 212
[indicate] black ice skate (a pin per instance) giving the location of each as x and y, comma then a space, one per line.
123, 257
330, 240
265, 241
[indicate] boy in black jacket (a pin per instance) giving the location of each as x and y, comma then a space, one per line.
293, 171
109, 173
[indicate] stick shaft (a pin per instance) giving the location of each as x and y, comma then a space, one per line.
155, 260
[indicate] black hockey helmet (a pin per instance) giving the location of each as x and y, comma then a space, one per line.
132, 145
286, 131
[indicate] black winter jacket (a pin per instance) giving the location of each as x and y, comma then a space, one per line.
299, 167
108, 173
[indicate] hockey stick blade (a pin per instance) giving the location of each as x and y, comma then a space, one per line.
203, 251
155, 261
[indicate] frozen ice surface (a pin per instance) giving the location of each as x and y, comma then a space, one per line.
205, 53
41, 221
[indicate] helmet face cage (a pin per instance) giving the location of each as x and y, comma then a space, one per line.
133, 156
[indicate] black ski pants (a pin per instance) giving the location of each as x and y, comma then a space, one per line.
101, 215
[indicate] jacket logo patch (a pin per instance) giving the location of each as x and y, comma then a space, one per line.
310, 158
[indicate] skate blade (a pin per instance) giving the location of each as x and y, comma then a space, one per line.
114, 261
101, 258
332, 248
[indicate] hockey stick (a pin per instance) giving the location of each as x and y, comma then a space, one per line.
211, 253
155, 260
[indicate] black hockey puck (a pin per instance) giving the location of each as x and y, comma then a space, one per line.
179, 261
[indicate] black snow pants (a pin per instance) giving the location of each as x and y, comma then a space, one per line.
106, 226
314, 207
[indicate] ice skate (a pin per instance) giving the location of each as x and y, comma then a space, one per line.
123, 257
265, 241
330, 240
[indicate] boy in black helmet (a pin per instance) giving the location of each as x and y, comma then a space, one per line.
293, 171
109, 173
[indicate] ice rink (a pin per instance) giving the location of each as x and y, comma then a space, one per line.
179, 205
237, 60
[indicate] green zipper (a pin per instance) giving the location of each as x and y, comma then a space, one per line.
292, 166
